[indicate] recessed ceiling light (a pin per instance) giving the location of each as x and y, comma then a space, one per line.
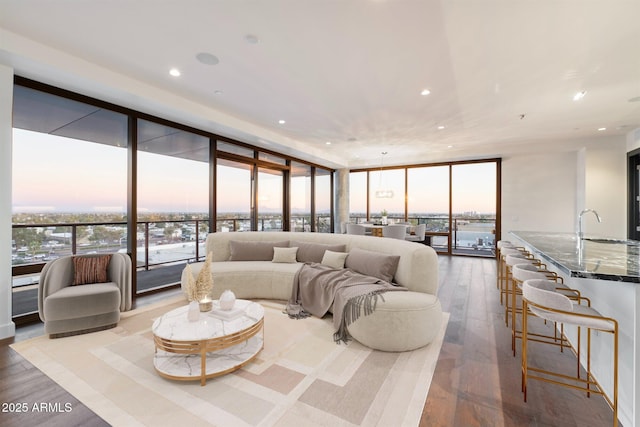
218, 92
281, 122
601, 129
578, 96
440, 127
425, 92
328, 142
251, 39
449, 146
207, 59
174, 72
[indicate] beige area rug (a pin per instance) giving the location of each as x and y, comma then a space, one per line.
301, 377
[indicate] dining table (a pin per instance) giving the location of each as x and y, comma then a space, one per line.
374, 229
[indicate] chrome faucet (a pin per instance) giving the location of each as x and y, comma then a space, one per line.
580, 232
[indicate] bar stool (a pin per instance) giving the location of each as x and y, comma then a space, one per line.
511, 259
527, 270
503, 271
541, 297
499, 245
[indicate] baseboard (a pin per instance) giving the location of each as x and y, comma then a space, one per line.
7, 331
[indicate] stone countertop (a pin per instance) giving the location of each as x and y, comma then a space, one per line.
596, 257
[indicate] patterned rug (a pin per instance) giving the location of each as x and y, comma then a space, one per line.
301, 377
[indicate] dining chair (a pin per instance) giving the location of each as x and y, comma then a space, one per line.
356, 229
419, 233
395, 231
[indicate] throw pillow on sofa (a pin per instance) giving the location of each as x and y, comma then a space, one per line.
286, 255
373, 264
253, 251
334, 259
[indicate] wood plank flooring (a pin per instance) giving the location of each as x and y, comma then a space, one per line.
476, 382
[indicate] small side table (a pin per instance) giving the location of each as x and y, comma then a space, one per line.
211, 346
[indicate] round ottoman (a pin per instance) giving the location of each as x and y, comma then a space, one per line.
402, 321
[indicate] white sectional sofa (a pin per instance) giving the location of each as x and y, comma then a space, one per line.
401, 321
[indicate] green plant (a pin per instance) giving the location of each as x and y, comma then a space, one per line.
384, 212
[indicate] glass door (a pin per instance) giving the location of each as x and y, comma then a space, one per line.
633, 228
473, 211
234, 195
269, 200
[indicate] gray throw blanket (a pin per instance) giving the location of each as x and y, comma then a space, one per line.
348, 294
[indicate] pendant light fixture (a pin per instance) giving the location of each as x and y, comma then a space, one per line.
381, 192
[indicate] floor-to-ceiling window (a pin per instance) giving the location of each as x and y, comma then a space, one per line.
234, 190
269, 195
323, 197
457, 201
69, 185
473, 207
138, 184
386, 194
172, 199
300, 191
357, 197
428, 202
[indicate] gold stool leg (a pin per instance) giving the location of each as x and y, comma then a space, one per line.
524, 351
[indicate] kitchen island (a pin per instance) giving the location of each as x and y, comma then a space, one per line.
607, 271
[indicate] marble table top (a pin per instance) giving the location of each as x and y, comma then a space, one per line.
175, 326
594, 258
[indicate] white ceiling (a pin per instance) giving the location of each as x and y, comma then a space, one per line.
349, 72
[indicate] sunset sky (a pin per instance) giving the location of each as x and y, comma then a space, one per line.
57, 174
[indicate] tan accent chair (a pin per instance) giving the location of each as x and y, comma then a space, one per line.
72, 310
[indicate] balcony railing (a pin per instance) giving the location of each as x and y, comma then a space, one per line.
35, 244
470, 235
171, 243
274, 223
158, 243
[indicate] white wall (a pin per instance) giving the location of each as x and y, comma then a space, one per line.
633, 140
7, 327
606, 189
539, 192
545, 191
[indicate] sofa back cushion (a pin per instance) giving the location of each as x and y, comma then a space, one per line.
254, 251
417, 269
313, 252
372, 263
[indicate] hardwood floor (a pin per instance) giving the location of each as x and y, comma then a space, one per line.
476, 382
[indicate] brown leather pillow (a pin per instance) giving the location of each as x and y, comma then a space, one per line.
90, 269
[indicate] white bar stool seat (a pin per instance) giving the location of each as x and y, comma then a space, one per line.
541, 297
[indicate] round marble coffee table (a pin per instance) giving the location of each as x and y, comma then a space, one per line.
214, 345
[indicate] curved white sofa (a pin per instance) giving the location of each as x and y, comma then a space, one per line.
402, 320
